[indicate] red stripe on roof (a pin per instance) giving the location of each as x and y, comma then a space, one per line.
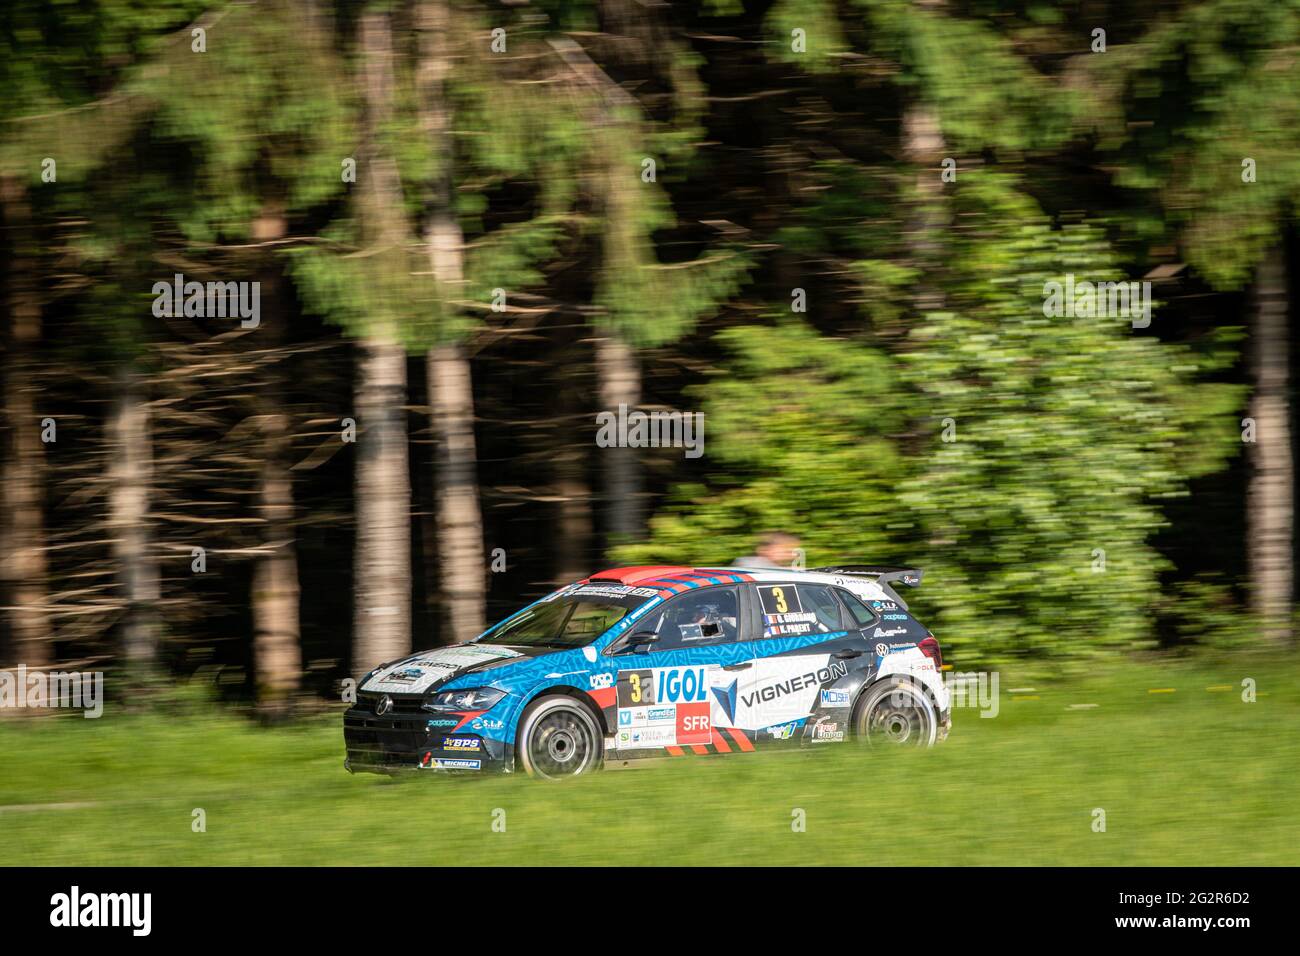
636, 575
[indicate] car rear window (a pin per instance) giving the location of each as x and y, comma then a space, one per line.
860, 613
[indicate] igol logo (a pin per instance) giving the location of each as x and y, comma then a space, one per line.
676, 685
781, 688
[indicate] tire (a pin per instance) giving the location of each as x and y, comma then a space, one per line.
896, 713
558, 738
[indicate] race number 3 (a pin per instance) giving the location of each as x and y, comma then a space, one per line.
636, 688
780, 599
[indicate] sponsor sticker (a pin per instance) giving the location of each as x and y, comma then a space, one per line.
613, 590
835, 698
792, 685
825, 730
643, 716
643, 738
462, 743
782, 731
693, 724
430, 762
680, 685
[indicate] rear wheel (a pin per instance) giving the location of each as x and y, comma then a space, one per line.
897, 713
558, 737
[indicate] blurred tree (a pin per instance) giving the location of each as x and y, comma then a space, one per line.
640, 300
1007, 480
450, 382
1204, 109
24, 484
59, 126
983, 453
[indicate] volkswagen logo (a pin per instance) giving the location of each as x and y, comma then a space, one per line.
383, 705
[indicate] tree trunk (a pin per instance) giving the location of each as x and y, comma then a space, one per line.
571, 539
24, 466
277, 644
131, 472
620, 385
382, 626
382, 623
277, 648
573, 521
1271, 493
460, 526
451, 390
923, 149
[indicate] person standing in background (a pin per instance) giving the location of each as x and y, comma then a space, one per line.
776, 549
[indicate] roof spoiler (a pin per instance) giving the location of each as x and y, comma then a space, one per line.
881, 575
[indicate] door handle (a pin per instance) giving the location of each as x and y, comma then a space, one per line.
737, 667
847, 654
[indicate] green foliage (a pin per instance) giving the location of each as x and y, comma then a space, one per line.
1068, 432
823, 38
372, 293
799, 433
1202, 93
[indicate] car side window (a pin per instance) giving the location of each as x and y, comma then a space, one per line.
793, 610
818, 599
861, 614
700, 618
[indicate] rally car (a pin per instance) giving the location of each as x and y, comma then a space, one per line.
641, 662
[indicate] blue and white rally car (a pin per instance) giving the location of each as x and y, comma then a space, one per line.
642, 662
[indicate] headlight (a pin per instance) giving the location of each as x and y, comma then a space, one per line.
471, 698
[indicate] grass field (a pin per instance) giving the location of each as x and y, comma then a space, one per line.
1192, 776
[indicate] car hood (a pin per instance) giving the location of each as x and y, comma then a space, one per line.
419, 672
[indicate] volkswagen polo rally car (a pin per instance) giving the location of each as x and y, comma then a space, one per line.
642, 662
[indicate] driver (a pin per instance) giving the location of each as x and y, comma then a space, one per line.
706, 621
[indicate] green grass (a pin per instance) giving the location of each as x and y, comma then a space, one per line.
1191, 777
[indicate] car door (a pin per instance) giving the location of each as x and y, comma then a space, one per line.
806, 666
666, 690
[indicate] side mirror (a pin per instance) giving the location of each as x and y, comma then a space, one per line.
630, 642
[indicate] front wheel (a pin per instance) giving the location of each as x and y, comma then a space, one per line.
895, 712
558, 738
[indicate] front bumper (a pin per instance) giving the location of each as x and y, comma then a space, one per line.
408, 738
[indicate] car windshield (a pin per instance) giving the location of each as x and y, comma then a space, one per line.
570, 620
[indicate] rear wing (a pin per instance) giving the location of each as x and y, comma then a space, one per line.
881, 575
